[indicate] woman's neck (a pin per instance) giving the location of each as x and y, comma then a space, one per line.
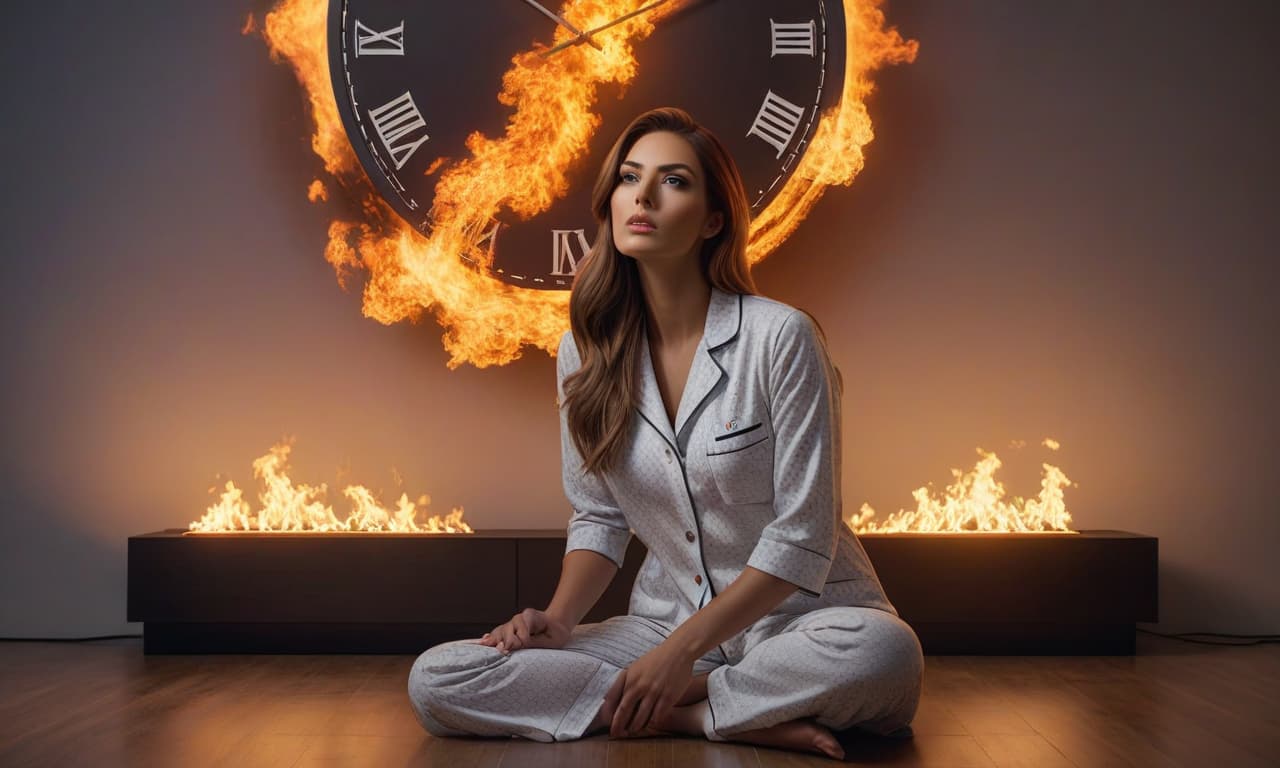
677, 301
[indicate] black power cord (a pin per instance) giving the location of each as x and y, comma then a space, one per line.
1191, 637
67, 639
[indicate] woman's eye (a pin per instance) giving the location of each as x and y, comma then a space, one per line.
675, 181
628, 177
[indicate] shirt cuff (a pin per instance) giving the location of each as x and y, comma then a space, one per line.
802, 567
597, 537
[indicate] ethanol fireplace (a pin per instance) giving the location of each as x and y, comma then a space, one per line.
971, 593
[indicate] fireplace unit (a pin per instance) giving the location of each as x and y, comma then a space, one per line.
997, 593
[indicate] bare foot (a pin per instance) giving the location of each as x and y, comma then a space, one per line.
681, 718
799, 735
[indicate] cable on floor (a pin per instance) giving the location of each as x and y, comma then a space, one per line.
1190, 637
67, 639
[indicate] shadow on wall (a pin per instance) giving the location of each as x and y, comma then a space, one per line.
45, 567
1191, 600
843, 238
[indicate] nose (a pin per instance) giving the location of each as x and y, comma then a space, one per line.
644, 193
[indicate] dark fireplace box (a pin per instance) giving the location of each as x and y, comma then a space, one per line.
391, 593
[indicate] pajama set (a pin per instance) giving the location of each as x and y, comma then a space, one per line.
748, 475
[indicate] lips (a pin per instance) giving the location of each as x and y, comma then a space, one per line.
640, 223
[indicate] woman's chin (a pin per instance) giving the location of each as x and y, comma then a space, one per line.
646, 250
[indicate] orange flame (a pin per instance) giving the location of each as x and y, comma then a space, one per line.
297, 507
975, 503
487, 322
835, 154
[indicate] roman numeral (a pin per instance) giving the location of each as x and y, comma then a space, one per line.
394, 121
792, 38
562, 250
776, 122
371, 42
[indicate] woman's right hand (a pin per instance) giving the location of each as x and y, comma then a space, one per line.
529, 628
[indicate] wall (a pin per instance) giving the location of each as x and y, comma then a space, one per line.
1066, 228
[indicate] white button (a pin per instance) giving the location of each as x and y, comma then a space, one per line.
668, 455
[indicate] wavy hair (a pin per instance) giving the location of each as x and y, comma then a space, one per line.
607, 311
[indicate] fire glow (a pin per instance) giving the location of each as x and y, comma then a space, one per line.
975, 503
289, 507
485, 321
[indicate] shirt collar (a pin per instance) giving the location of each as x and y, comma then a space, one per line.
724, 317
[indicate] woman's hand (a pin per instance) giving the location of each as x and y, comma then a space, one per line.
530, 628
650, 687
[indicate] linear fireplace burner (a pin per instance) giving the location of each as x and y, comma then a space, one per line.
998, 593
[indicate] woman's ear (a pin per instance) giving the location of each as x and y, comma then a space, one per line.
715, 222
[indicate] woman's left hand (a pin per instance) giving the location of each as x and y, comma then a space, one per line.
650, 687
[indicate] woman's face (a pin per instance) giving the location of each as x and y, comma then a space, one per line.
659, 204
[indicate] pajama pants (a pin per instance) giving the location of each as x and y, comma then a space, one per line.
842, 666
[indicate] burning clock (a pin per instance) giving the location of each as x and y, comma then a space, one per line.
483, 124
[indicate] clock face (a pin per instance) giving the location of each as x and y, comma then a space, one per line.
414, 79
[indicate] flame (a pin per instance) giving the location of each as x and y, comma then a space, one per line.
835, 153
487, 322
975, 503
297, 507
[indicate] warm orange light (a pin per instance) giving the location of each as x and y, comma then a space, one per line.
488, 322
835, 154
299, 508
317, 192
976, 503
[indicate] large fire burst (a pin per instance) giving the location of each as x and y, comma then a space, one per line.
487, 322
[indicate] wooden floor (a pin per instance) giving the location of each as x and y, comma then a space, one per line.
106, 704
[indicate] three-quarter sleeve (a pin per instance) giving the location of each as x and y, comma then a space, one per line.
800, 543
597, 523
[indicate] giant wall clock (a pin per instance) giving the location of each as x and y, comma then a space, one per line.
414, 79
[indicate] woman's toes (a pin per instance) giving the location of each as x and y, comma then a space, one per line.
825, 742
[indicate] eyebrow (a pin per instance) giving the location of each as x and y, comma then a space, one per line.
663, 168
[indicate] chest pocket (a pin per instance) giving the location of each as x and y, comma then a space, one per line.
742, 463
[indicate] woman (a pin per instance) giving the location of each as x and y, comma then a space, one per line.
706, 419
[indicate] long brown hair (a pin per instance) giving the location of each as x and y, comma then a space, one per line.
606, 308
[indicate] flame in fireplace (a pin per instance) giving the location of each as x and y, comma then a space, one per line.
486, 321
975, 503
298, 508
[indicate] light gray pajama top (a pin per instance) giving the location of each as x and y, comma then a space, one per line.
749, 476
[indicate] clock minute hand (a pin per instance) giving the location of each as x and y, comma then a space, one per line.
557, 18
587, 35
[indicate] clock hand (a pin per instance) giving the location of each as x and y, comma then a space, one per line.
557, 18
587, 35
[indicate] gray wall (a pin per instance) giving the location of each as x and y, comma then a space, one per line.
1066, 228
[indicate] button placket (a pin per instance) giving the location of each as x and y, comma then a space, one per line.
671, 454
